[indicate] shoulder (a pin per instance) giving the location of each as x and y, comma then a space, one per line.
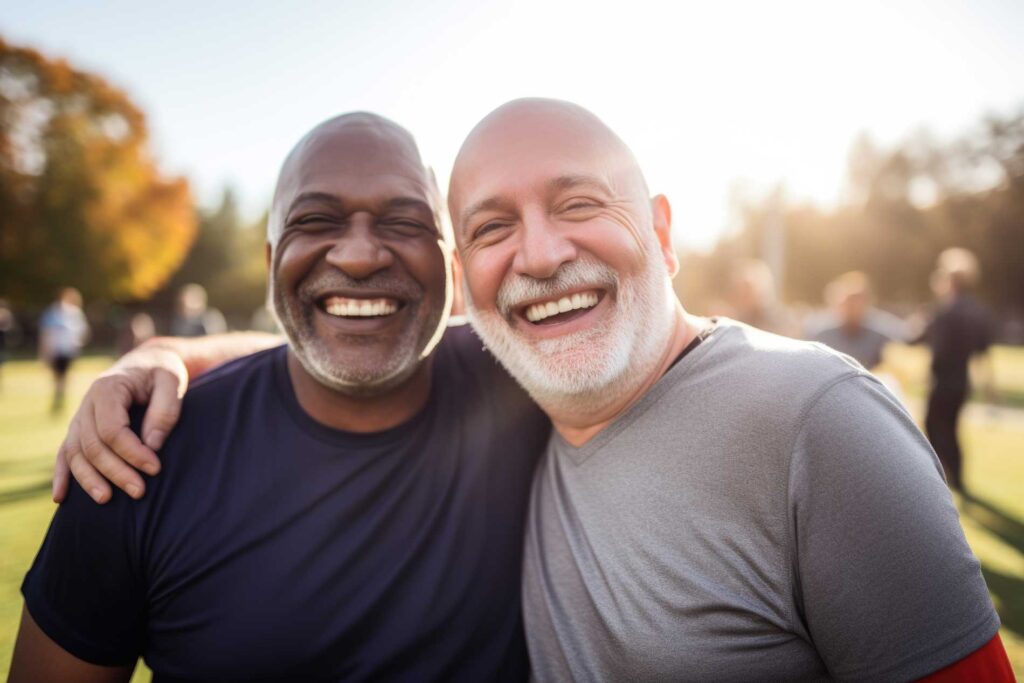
462, 360
765, 358
462, 351
750, 387
235, 372
237, 384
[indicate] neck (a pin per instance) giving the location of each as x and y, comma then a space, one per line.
578, 427
360, 414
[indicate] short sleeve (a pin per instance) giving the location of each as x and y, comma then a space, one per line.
83, 589
886, 584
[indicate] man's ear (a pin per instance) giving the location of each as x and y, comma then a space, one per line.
270, 253
661, 212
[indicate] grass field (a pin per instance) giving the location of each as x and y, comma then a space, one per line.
993, 519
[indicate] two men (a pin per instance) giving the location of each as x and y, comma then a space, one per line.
716, 502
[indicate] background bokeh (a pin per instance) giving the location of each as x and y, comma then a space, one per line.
139, 144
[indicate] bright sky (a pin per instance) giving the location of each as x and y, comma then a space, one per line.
714, 97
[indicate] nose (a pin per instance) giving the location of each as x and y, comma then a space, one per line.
358, 251
543, 247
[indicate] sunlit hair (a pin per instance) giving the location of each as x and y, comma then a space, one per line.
70, 296
960, 266
853, 283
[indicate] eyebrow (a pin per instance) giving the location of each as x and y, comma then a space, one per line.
409, 203
489, 204
568, 182
324, 197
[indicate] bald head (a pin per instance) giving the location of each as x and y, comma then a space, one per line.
539, 132
372, 143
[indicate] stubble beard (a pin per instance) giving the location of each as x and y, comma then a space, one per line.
584, 371
295, 318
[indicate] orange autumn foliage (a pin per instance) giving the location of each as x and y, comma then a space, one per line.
82, 201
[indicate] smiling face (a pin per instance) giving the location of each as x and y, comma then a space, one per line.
566, 259
359, 271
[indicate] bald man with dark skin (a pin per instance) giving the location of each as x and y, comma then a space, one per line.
717, 503
349, 506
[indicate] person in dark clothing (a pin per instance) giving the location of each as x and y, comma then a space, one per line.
960, 329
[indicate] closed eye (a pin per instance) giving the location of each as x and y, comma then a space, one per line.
577, 204
489, 228
313, 219
406, 226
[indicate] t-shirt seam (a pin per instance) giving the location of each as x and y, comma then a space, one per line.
790, 541
989, 620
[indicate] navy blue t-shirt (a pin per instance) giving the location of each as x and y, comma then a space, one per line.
272, 547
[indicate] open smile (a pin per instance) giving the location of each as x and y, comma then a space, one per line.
353, 307
560, 309
347, 313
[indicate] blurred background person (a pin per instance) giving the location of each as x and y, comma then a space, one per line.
192, 317
8, 335
63, 331
960, 329
752, 298
852, 324
140, 327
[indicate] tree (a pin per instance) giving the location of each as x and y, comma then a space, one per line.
81, 200
227, 258
905, 205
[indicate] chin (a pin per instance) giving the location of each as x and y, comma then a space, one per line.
361, 378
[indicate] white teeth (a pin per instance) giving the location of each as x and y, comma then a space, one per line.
359, 308
540, 311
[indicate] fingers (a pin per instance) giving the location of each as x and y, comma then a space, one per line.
60, 476
164, 408
113, 429
88, 478
103, 462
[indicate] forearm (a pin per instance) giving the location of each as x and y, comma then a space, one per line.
203, 353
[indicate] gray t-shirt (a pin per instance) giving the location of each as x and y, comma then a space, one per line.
767, 512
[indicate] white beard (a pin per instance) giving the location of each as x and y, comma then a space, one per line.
583, 370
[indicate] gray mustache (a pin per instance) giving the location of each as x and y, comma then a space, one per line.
578, 274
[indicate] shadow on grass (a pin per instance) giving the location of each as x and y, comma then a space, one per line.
31, 491
996, 520
1008, 589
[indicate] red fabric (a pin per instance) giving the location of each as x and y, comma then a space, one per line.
987, 664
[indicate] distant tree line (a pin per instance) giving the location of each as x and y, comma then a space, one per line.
227, 259
904, 205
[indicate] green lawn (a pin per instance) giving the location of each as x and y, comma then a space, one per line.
993, 519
